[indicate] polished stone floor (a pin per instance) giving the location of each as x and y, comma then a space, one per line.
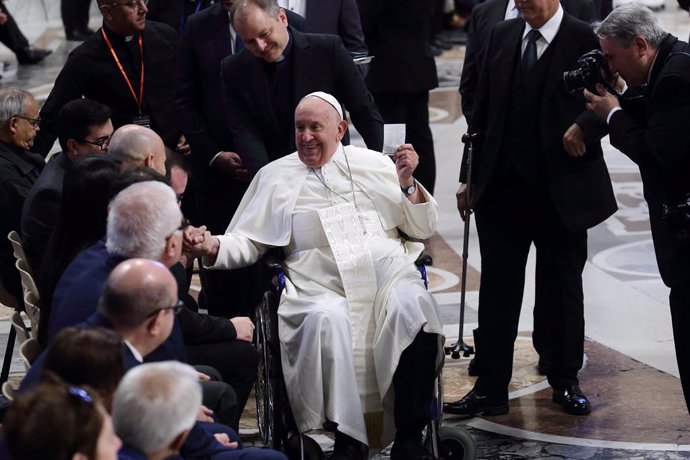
630, 373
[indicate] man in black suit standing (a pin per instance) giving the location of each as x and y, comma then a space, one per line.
218, 175
539, 177
263, 83
484, 16
403, 71
335, 17
653, 132
75, 19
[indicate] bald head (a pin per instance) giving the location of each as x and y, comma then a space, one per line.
135, 289
137, 146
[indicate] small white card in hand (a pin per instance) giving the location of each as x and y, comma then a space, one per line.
393, 137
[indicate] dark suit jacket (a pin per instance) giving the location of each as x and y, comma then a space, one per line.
337, 17
76, 299
320, 63
484, 16
204, 44
91, 72
19, 171
42, 209
174, 12
657, 139
580, 187
398, 33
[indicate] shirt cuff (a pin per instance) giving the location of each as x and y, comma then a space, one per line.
210, 163
608, 117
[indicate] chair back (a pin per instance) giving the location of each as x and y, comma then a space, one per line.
32, 310
29, 351
8, 391
19, 325
17, 247
28, 281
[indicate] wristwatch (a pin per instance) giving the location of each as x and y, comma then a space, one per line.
409, 190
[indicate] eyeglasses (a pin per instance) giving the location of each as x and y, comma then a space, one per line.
131, 3
184, 224
101, 142
34, 121
177, 308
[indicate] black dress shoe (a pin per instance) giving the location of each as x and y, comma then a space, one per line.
410, 449
78, 35
572, 400
477, 404
31, 55
347, 448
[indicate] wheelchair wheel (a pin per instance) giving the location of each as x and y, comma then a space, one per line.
456, 444
312, 449
268, 394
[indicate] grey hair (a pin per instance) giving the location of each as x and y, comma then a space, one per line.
155, 403
626, 22
12, 102
270, 7
140, 220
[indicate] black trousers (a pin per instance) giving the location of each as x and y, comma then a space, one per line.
413, 110
75, 14
220, 397
413, 383
680, 317
510, 217
236, 362
10, 35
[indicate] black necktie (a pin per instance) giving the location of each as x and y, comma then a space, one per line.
529, 57
239, 44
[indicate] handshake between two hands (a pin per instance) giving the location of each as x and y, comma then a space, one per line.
198, 242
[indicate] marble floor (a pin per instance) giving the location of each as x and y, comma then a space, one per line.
630, 373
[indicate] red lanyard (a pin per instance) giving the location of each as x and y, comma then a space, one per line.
140, 99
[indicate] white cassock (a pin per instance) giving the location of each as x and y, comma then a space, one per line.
354, 299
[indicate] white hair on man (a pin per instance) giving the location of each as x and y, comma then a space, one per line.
155, 404
141, 219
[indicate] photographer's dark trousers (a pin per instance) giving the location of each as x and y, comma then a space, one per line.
10, 35
514, 215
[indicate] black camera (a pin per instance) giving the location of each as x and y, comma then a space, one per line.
592, 69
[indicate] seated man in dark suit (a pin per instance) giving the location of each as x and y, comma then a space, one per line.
19, 169
154, 410
144, 221
279, 66
139, 302
84, 128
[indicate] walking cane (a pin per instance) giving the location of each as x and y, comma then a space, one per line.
460, 346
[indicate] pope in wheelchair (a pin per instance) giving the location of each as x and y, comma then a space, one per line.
359, 333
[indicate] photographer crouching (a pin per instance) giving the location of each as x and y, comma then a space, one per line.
653, 129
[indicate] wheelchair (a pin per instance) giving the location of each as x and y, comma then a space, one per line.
277, 427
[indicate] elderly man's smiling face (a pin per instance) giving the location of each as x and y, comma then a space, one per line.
318, 131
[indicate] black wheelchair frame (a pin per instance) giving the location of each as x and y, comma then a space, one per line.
277, 427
